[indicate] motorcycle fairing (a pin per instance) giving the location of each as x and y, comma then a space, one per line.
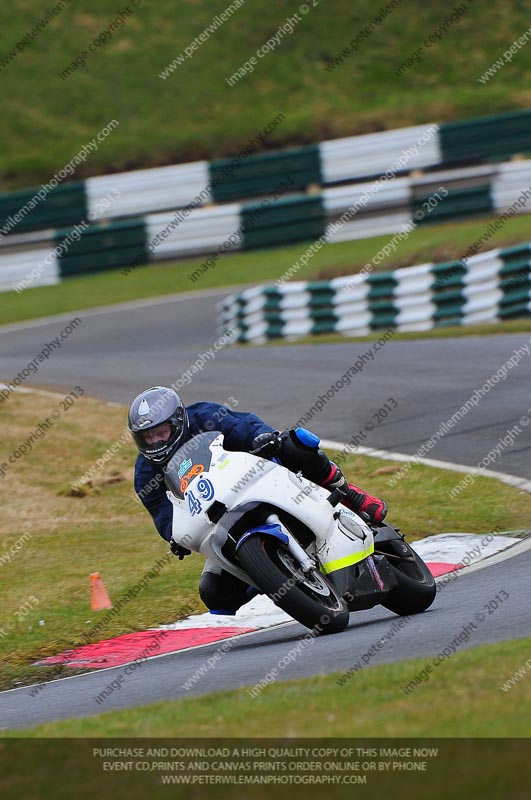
241, 481
270, 530
358, 585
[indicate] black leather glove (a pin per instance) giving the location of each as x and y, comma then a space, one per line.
178, 550
269, 444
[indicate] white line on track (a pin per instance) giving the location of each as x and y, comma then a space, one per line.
111, 309
504, 477
45, 393
512, 551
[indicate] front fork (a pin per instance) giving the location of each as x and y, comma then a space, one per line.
299, 554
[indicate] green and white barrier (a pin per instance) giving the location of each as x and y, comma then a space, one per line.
487, 287
148, 190
124, 220
361, 210
200, 183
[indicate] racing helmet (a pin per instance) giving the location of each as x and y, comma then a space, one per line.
158, 423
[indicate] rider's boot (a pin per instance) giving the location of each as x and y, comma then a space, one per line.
356, 499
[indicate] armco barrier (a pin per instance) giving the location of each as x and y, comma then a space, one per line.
258, 175
294, 219
26, 211
148, 190
101, 248
360, 157
16, 266
491, 286
200, 183
343, 213
495, 136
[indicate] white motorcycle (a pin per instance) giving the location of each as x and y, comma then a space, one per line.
289, 538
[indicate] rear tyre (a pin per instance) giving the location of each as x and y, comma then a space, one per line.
416, 587
310, 598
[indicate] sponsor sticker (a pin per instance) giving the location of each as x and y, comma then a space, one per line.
197, 469
374, 572
184, 467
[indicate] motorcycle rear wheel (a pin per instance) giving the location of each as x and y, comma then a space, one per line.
309, 598
416, 587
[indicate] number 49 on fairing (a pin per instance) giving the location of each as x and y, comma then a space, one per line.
206, 490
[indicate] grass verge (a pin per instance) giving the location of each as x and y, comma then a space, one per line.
462, 698
50, 540
425, 244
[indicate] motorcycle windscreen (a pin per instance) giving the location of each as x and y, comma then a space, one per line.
189, 461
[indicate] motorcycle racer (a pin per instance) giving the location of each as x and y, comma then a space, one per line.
160, 423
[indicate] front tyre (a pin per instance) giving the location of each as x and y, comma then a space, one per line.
416, 587
310, 598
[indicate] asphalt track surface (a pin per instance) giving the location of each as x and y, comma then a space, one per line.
460, 610
116, 352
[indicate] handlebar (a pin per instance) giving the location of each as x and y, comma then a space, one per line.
257, 451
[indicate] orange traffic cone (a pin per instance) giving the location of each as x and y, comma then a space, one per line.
99, 597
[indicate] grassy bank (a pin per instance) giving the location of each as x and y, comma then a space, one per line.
120, 79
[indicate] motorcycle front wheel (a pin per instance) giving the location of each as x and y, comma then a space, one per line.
310, 598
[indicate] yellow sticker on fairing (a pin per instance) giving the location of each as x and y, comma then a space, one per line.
346, 561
